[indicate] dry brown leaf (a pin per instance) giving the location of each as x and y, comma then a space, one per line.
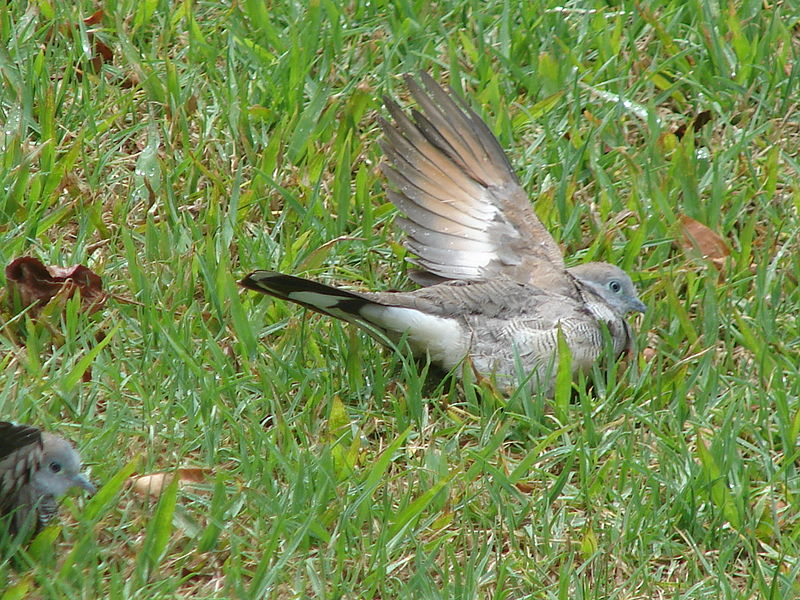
699, 238
99, 52
38, 284
95, 18
649, 354
525, 487
696, 124
154, 484
102, 52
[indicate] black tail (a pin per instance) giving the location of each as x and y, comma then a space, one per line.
315, 296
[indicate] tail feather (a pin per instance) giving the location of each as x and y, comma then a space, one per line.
443, 338
321, 298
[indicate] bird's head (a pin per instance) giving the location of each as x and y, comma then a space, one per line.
60, 468
612, 284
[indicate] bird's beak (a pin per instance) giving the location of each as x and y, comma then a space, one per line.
638, 306
82, 482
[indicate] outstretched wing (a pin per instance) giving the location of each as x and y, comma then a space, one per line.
467, 217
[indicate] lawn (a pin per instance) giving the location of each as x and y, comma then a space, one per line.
172, 147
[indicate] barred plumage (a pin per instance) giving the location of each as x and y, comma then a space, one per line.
36, 469
497, 289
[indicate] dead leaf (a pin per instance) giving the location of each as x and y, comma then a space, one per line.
697, 124
701, 239
525, 487
701, 119
38, 285
102, 52
153, 484
95, 18
98, 53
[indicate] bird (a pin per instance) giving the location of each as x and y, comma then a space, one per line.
496, 292
36, 469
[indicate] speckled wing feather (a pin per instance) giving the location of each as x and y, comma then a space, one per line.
21, 451
467, 217
20, 454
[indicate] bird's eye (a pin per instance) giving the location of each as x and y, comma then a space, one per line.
614, 286
55, 467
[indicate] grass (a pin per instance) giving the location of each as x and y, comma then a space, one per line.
219, 138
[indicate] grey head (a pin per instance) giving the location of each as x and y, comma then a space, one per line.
612, 284
36, 469
60, 468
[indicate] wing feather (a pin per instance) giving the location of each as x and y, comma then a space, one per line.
467, 217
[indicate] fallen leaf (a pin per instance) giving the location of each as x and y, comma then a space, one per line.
699, 238
649, 354
95, 18
37, 284
525, 487
697, 124
98, 53
701, 119
153, 484
102, 52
